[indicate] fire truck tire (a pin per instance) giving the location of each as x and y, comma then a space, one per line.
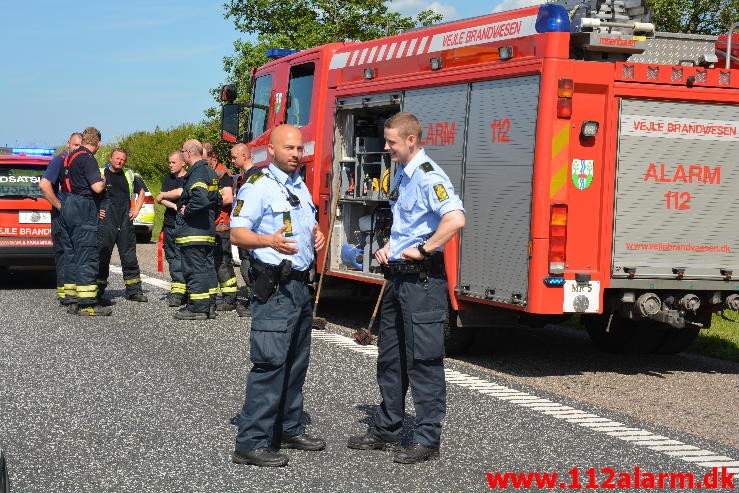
625, 336
678, 340
456, 339
4, 482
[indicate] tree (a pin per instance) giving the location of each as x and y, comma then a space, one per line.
694, 16
303, 24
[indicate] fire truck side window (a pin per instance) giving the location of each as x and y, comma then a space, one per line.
260, 105
299, 94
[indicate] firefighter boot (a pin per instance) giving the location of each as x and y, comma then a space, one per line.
95, 311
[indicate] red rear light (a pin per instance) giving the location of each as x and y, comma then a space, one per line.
565, 90
557, 238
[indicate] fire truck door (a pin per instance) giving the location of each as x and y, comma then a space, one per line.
442, 112
498, 169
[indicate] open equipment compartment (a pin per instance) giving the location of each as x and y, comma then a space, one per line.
363, 217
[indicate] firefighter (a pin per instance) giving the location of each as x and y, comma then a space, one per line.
83, 185
274, 217
426, 214
222, 256
50, 186
168, 197
241, 159
195, 234
124, 195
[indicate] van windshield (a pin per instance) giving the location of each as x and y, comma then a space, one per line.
18, 181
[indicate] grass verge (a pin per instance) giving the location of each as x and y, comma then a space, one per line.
722, 339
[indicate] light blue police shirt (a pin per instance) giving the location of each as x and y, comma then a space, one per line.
262, 206
424, 195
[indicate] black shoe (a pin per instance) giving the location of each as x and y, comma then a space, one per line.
369, 441
212, 311
175, 300
188, 315
415, 453
104, 302
140, 297
304, 442
72, 308
242, 310
95, 311
223, 306
262, 457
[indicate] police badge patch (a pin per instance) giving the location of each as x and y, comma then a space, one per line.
441, 192
237, 207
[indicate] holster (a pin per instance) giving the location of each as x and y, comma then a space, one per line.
266, 278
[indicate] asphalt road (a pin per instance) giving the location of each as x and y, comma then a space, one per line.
141, 402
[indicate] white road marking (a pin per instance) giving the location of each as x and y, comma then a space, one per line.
597, 424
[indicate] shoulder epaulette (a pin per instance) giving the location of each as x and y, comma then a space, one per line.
427, 167
253, 178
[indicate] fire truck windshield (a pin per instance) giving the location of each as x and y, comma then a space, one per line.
20, 181
260, 105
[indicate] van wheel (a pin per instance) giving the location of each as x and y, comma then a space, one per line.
678, 340
456, 339
625, 336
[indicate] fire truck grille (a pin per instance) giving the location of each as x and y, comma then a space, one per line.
652, 73
724, 78
627, 72
677, 74
701, 76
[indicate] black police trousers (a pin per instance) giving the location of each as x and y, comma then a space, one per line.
410, 351
200, 276
65, 291
172, 253
80, 216
280, 350
117, 229
224, 264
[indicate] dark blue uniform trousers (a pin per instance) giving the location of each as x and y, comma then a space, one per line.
173, 256
200, 276
61, 242
80, 216
411, 351
280, 350
116, 229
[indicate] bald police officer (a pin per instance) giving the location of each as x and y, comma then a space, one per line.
274, 217
426, 215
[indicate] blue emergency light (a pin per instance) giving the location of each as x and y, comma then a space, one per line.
554, 281
552, 18
275, 53
33, 151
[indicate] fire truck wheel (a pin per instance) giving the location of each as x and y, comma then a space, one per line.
625, 336
678, 340
4, 483
456, 339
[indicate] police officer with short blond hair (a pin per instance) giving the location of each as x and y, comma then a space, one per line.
426, 215
274, 217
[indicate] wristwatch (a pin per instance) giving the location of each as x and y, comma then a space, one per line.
423, 251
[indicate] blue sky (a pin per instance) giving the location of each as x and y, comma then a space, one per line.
125, 66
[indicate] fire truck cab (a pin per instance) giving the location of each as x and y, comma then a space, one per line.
597, 159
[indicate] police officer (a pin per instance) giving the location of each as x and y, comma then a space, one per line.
274, 217
124, 195
241, 159
426, 215
222, 256
195, 234
50, 186
83, 184
168, 197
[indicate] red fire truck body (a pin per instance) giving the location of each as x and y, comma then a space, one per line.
596, 180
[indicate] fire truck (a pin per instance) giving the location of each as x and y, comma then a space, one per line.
597, 159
